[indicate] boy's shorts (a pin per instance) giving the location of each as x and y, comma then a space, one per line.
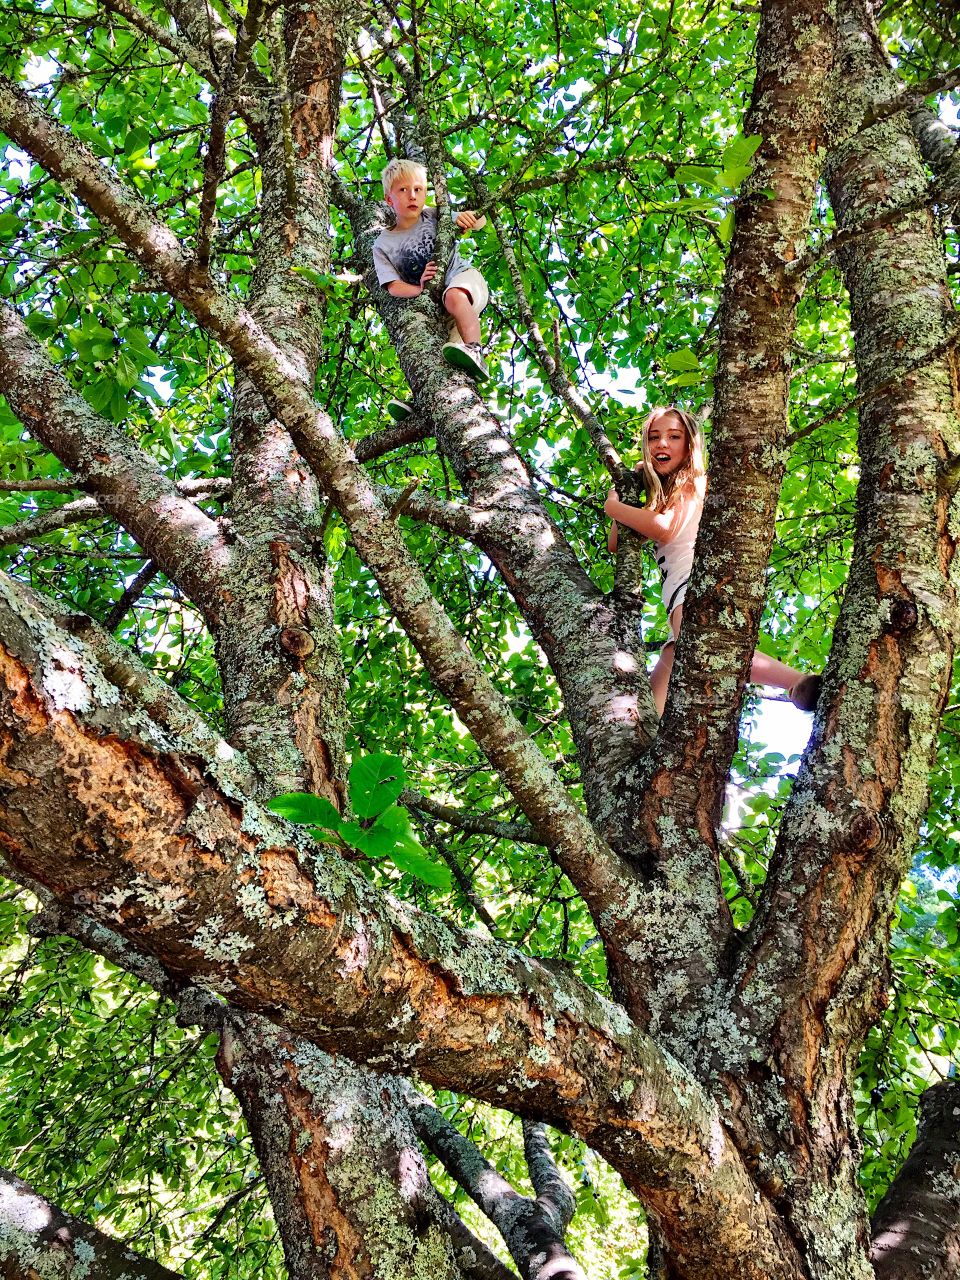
472, 283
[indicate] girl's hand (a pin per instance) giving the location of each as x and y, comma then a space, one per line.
612, 502
429, 271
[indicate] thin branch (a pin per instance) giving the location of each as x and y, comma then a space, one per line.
411, 431
220, 114
164, 38
554, 371
475, 824
848, 235
882, 389
912, 97
131, 595
62, 517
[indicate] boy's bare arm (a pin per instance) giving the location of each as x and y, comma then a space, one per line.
400, 288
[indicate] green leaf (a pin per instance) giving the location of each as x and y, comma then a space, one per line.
301, 806
696, 173
421, 866
725, 229
375, 782
740, 150
733, 176
681, 361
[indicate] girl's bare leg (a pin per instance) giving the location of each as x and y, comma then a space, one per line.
763, 669
767, 670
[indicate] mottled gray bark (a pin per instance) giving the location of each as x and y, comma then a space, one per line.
679, 925
37, 1239
810, 976
916, 1226
532, 1229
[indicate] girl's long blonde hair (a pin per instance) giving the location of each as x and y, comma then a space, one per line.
692, 474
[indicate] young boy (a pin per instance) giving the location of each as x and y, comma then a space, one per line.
403, 258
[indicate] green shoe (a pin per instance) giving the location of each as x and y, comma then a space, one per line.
399, 410
467, 359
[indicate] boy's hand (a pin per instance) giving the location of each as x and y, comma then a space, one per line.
429, 271
470, 221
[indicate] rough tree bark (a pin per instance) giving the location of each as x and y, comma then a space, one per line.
721, 1086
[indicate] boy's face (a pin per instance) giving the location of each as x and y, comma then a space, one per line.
407, 196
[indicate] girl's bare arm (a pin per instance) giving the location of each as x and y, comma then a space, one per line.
658, 525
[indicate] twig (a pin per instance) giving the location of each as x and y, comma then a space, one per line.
552, 367
471, 823
130, 596
857, 402
219, 119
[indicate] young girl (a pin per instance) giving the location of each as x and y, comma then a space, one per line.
676, 479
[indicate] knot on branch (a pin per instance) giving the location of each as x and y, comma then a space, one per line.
866, 834
903, 617
297, 641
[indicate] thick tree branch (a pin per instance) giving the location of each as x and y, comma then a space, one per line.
941, 150
916, 1226
683, 927
216, 890
809, 979
38, 1239
448, 660
125, 483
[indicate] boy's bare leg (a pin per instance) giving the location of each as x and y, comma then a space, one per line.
458, 304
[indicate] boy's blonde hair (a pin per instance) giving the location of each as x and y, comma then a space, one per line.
691, 475
397, 169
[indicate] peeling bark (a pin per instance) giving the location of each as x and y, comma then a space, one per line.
135, 831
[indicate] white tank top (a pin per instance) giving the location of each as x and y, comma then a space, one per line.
675, 558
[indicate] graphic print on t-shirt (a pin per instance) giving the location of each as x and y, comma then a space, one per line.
417, 250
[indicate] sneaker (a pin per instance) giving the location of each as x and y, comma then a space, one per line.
467, 359
806, 692
399, 410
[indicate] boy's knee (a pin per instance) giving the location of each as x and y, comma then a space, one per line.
457, 300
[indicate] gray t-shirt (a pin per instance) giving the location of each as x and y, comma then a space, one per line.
402, 255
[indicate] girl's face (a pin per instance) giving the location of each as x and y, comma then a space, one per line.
668, 444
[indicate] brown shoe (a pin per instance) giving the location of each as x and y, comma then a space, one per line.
806, 692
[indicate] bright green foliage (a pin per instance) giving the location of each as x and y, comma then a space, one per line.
612, 138
119, 1114
383, 829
